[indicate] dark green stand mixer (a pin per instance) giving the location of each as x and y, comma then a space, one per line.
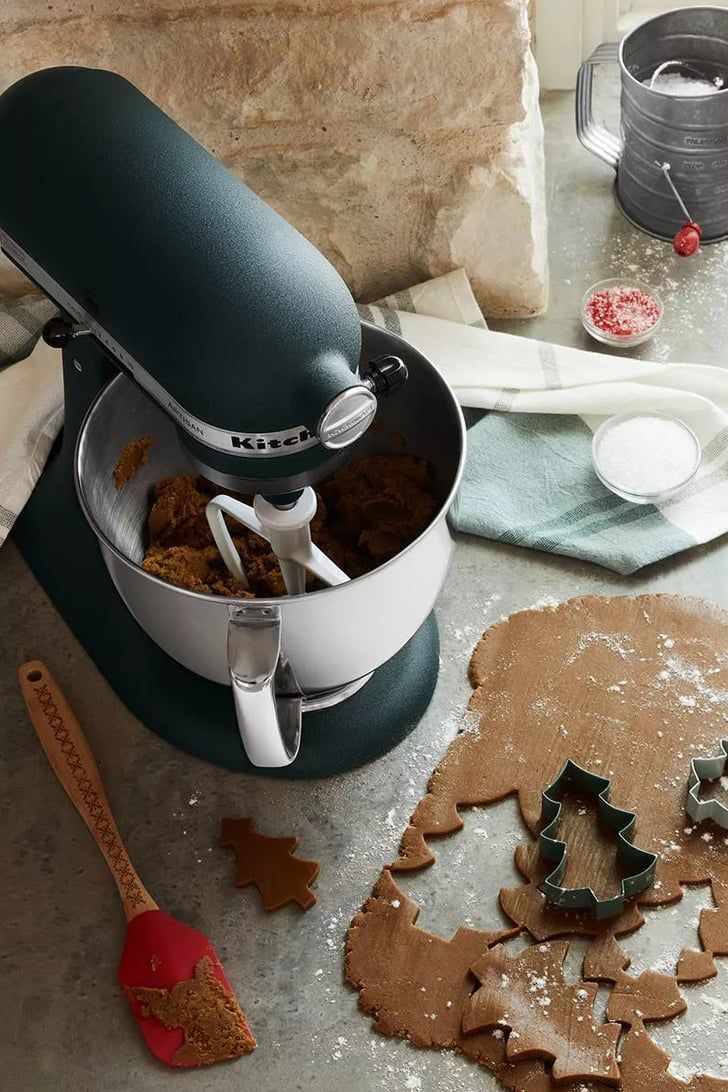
193, 313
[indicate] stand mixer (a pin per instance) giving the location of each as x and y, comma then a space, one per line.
243, 356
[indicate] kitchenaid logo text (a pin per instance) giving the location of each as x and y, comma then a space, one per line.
273, 441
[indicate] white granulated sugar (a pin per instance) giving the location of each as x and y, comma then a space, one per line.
675, 83
687, 700
646, 454
395, 903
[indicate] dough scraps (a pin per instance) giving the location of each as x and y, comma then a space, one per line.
214, 1025
133, 456
367, 512
631, 688
269, 864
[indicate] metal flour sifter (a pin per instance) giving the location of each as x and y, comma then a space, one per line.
672, 152
242, 354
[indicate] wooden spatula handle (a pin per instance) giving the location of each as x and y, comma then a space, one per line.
69, 754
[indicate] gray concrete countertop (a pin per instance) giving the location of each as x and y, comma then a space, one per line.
64, 1025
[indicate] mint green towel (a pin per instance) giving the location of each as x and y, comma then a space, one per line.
529, 481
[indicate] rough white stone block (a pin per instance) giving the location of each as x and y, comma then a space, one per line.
403, 137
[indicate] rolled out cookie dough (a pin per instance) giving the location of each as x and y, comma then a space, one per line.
632, 688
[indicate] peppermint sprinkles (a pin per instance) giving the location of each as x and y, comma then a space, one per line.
622, 311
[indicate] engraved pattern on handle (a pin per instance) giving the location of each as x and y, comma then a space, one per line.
117, 855
72, 761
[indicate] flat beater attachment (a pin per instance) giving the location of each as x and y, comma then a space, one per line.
288, 530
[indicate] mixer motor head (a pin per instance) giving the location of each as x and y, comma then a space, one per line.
214, 305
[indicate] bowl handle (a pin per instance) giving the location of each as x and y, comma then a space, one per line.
596, 138
267, 698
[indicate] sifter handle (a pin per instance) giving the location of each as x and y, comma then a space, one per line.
596, 138
68, 752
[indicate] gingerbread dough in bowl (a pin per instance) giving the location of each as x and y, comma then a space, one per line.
631, 689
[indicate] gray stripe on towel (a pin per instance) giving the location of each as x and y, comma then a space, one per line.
716, 447
7, 518
391, 321
505, 399
629, 514
549, 364
565, 520
404, 301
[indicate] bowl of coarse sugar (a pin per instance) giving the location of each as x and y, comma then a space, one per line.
645, 457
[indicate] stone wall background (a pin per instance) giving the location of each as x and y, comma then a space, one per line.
402, 137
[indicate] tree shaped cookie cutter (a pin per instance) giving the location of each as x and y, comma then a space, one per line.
638, 863
707, 769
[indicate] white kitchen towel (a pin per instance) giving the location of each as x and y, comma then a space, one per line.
31, 403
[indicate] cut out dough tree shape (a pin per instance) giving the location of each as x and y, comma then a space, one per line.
269, 864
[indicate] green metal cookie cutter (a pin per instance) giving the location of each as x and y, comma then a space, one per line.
639, 864
707, 769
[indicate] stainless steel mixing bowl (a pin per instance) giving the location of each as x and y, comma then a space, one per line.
332, 639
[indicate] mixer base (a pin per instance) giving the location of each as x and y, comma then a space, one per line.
181, 707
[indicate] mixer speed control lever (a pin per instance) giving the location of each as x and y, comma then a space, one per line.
386, 375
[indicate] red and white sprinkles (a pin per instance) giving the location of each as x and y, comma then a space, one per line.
622, 311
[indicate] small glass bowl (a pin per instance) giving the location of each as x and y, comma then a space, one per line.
643, 498
617, 340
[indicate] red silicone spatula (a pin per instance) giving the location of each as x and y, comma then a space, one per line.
175, 984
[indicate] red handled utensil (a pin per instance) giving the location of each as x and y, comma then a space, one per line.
172, 978
687, 238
